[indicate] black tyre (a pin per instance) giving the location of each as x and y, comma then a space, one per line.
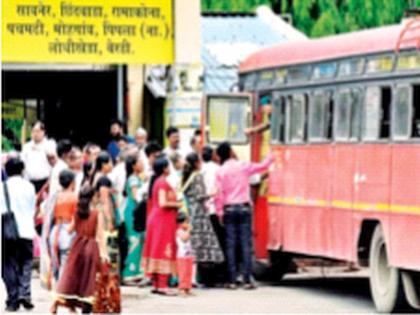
273, 271
280, 264
260, 270
385, 280
411, 282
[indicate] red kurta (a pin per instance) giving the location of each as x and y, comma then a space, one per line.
159, 255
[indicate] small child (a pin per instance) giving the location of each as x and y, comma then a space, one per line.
185, 257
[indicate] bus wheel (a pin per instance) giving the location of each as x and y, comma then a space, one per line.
280, 264
385, 280
411, 282
260, 270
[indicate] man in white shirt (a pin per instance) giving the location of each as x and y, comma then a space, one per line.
195, 142
172, 150
208, 170
18, 255
172, 135
176, 166
34, 155
141, 142
152, 150
63, 150
118, 175
76, 166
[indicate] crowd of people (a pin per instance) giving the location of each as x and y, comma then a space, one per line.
133, 214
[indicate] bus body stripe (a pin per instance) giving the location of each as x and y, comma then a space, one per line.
345, 205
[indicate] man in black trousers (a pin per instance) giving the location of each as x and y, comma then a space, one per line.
18, 196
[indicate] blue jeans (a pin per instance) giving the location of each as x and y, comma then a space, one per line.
64, 243
237, 220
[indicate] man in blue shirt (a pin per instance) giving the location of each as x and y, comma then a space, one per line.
117, 132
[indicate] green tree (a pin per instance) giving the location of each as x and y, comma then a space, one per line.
329, 21
324, 17
301, 11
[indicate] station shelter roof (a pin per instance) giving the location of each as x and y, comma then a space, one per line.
228, 39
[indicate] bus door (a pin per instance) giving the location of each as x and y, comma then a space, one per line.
274, 207
226, 117
373, 174
347, 123
260, 147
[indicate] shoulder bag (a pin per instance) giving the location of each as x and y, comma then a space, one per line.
8, 221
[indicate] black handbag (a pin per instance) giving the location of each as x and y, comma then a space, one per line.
140, 216
8, 221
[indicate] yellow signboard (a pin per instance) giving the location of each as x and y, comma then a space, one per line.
94, 31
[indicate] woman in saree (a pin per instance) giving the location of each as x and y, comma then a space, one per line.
159, 256
207, 250
108, 294
132, 271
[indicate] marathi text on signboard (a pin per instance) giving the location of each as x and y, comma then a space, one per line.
94, 31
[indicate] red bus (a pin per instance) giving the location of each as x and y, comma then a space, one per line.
345, 130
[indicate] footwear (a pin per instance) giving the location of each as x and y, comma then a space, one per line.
27, 304
250, 286
144, 283
231, 286
130, 283
166, 292
183, 293
12, 308
87, 308
54, 308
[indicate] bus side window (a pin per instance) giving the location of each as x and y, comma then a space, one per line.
416, 112
320, 117
376, 116
356, 113
347, 115
385, 112
277, 119
296, 118
342, 116
402, 113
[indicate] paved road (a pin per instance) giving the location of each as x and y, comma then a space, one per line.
296, 294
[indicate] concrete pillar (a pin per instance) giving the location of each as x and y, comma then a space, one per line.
135, 89
187, 31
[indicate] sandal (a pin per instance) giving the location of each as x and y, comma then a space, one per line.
166, 292
250, 286
54, 308
231, 286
